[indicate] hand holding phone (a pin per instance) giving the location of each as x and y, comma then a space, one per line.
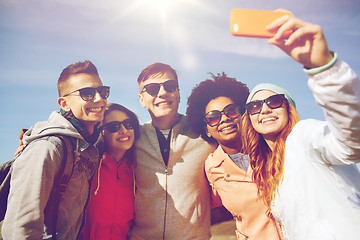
252, 22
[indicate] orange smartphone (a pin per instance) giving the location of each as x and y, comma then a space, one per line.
252, 22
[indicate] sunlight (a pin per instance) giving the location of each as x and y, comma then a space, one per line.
167, 20
162, 4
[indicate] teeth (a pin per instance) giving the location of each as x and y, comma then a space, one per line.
228, 128
163, 103
98, 109
124, 138
267, 120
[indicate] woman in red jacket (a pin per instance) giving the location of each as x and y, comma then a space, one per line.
111, 206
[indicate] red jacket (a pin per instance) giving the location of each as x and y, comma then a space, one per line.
111, 206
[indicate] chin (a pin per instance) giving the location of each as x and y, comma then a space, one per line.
164, 113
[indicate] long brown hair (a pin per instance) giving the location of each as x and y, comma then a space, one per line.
267, 165
130, 153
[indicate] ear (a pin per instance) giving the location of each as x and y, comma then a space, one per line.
207, 132
141, 99
63, 104
179, 95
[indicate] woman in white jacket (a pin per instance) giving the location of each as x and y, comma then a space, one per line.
305, 170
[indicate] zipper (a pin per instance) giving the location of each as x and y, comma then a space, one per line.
166, 199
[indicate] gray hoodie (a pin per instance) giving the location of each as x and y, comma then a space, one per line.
29, 215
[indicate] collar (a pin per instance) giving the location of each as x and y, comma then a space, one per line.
79, 126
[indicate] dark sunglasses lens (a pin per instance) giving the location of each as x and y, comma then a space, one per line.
127, 124
170, 86
254, 107
275, 101
153, 88
87, 93
232, 111
103, 91
212, 118
112, 127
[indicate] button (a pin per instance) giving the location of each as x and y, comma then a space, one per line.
227, 175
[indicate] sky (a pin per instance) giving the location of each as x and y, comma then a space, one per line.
39, 38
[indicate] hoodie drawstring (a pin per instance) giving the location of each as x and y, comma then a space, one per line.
98, 178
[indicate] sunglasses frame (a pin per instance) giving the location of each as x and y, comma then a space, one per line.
282, 96
118, 125
164, 84
94, 92
221, 113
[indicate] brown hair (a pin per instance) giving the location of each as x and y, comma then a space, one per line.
130, 154
267, 165
156, 68
73, 69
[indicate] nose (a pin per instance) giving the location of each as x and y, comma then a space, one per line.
122, 129
265, 109
97, 97
162, 91
224, 118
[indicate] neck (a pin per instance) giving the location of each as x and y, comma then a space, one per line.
166, 122
270, 142
232, 148
90, 130
90, 127
117, 154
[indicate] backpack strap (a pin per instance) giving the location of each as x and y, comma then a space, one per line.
60, 187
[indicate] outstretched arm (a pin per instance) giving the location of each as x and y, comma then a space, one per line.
335, 88
306, 45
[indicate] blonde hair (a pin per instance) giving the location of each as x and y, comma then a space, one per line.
267, 165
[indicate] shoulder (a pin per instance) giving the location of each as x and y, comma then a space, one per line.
215, 158
307, 127
46, 150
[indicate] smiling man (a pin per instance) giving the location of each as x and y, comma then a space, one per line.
65, 141
172, 199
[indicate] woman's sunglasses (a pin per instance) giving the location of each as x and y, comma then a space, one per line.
213, 118
88, 93
154, 88
272, 102
115, 126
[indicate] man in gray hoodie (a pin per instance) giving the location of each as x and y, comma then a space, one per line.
82, 99
172, 199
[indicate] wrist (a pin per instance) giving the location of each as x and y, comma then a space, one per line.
316, 70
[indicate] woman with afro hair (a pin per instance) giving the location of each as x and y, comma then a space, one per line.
214, 110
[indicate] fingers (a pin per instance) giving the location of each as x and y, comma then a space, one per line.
293, 29
291, 24
278, 22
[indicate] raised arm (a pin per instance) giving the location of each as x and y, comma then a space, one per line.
306, 45
334, 85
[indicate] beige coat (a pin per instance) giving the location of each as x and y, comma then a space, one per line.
239, 196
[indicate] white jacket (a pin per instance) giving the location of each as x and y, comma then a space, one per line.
319, 198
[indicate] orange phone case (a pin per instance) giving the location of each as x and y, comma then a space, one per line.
252, 23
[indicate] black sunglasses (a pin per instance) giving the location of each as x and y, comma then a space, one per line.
88, 93
272, 102
154, 88
213, 118
115, 126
